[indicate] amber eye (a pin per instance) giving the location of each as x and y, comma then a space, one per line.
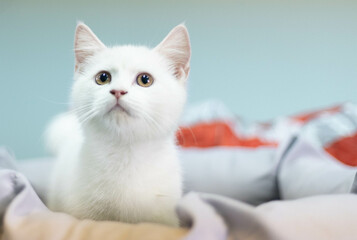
103, 78
144, 80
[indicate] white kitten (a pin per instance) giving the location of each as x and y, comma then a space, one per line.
116, 149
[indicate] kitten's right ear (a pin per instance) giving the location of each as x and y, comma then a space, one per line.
86, 44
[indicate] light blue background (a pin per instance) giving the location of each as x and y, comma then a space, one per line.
261, 58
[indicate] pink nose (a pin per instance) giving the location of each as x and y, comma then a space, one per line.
118, 93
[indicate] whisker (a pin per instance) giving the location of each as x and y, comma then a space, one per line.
87, 117
147, 116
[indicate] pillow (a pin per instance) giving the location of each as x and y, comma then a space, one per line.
236, 172
323, 159
259, 162
220, 154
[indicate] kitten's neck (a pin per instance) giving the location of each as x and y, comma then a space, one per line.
105, 143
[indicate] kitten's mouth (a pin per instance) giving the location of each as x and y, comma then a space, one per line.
119, 108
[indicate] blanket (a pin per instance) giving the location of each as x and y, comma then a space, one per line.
24, 216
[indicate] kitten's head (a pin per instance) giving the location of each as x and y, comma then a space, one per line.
130, 90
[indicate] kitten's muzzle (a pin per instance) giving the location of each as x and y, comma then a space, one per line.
118, 106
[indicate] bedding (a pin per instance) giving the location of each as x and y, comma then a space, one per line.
323, 158
290, 178
222, 154
24, 216
287, 158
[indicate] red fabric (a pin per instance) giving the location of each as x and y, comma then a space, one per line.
219, 133
344, 150
311, 115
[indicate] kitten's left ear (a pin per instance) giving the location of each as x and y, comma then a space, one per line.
176, 48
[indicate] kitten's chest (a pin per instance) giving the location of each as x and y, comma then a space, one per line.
130, 184
130, 171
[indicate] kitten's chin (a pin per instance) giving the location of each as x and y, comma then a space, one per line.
119, 110
118, 116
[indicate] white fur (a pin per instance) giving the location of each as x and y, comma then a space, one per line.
117, 165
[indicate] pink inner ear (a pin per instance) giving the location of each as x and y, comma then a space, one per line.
182, 72
86, 44
176, 48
